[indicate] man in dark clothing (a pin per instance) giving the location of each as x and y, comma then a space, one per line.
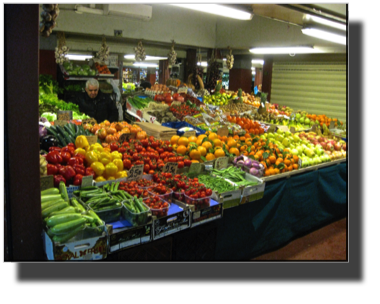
96, 104
145, 84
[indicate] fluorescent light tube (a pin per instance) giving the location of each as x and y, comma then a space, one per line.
258, 61
324, 21
78, 57
203, 63
148, 65
132, 56
219, 10
284, 50
317, 33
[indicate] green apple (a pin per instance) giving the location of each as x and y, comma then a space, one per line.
279, 137
285, 142
270, 135
294, 151
300, 149
288, 133
296, 138
310, 145
309, 152
263, 136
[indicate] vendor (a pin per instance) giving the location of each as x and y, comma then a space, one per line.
96, 104
145, 84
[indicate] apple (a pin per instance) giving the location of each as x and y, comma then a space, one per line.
330, 146
337, 147
323, 144
285, 142
309, 152
344, 147
296, 138
299, 149
294, 151
279, 137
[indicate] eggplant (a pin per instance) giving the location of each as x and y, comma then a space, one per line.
48, 141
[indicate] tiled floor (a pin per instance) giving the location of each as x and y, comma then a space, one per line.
328, 243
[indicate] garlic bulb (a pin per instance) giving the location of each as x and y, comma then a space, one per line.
172, 55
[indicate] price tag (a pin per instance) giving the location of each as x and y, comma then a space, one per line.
314, 128
182, 90
195, 168
332, 125
283, 128
87, 181
292, 130
64, 115
46, 182
136, 172
125, 137
170, 168
299, 162
152, 119
92, 139
271, 129
221, 163
189, 133
60, 123
223, 131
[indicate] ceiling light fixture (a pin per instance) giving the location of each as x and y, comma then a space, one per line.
258, 61
284, 50
132, 56
325, 35
203, 63
78, 57
219, 10
339, 26
148, 65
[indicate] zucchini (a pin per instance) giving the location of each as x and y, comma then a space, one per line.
47, 211
49, 191
67, 137
72, 127
62, 218
88, 188
78, 205
51, 203
65, 237
89, 219
51, 197
76, 130
63, 190
96, 217
52, 132
68, 129
68, 226
69, 209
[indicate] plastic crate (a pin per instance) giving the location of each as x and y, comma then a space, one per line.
198, 203
136, 219
179, 196
159, 212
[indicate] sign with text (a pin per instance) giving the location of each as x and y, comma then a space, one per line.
221, 163
283, 128
87, 181
64, 115
170, 167
195, 168
92, 139
223, 131
125, 137
136, 172
60, 123
46, 182
271, 129
182, 90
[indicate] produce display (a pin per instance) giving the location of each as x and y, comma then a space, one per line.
78, 70
139, 103
183, 110
102, 69
157, 89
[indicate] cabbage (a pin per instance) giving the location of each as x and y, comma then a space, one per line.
49, 116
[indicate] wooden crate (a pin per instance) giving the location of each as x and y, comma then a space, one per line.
159, 132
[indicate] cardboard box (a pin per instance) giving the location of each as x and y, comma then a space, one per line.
78, 248
252, 193
159, 132
171, 223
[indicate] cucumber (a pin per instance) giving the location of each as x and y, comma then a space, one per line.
51, 203
78, 205
47, 211
66, 136
76, 130
63, 190
68, 226
89, 219
51, 197
50, 191
52, 132
65, 237
96, 217
88, 188
62, 218
68, 129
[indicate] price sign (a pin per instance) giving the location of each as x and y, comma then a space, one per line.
64, 115
195, 168
271, 129
208, 167
46, 182
182, 90
125, 137
190, 133
170, 168
223, 131
88, 121
221, 163
92, 139
332, 125
60, 123
136, 172
87, 181
152, 119
292, 130
314, 128
283, 128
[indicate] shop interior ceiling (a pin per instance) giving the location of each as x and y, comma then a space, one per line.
271, 25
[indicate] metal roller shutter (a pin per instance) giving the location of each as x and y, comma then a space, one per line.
317, 88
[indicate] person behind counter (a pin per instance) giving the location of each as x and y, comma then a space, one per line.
96, 104
145, 84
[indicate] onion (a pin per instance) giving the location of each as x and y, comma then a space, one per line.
253, 171
237, 158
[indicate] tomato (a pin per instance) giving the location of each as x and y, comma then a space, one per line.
114, 146
180, 165
136, 156
208, 192
127, 164
187, 162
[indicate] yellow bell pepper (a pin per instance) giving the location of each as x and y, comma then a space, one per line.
80, 151
91, 157
98, 168
81, 142
105, 158
111, 169
119, 164
121, 174
116, 155
107, 149
100, 179
111, 178
96, 147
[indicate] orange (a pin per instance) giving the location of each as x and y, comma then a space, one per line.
295, 166
210, 156
219, 153
213, 136
231, 142
192, 139
194, 161
243, 148
199, 141
201, 136
276, 171
183, 141
295, 157
234, 151
272, 159
217, 142
181, 149
195, 154
202, 150
174, 139
207, 145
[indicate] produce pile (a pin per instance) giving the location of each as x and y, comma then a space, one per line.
184, 110
138, 102
78, 70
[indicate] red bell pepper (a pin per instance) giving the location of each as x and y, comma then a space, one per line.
89, 171
79, 169
69, 149
66, 156
67, 172
54, 157
78, 180
80, 156
54, 148
76, 160
57, 179
71, 145
52, 169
